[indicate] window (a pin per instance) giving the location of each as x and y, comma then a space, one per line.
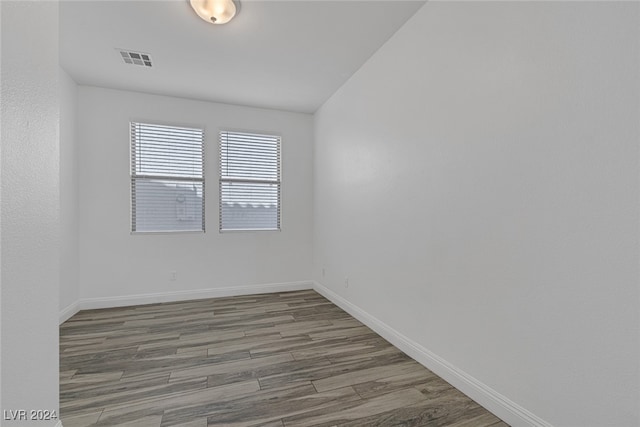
167, 178
249, 181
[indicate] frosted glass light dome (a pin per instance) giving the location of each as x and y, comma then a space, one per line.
214, 11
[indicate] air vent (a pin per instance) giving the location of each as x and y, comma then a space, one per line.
136, 58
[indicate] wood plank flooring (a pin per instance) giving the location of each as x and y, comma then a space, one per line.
287, 359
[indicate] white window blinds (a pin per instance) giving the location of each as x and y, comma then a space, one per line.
167, 178
249, 181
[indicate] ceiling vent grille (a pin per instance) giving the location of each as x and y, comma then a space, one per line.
136, 58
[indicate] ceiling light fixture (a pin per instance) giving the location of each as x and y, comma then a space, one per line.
214, 11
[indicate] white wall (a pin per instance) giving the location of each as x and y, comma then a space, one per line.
29, 233
68, 193
114, 264
477, 182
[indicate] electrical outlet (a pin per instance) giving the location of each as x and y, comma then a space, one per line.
346, 282
173, 276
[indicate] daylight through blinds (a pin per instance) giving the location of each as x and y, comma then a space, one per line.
167, 178
249, 181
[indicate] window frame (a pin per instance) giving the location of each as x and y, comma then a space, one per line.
133, 176
278, 181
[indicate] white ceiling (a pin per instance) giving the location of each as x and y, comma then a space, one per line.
289, 55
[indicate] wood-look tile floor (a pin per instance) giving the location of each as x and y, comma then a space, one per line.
287, 359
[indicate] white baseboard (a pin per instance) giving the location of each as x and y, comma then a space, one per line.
123, 301
502, 407
67, 313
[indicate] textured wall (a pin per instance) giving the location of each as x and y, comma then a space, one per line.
115, 263
477, 182
30, 225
